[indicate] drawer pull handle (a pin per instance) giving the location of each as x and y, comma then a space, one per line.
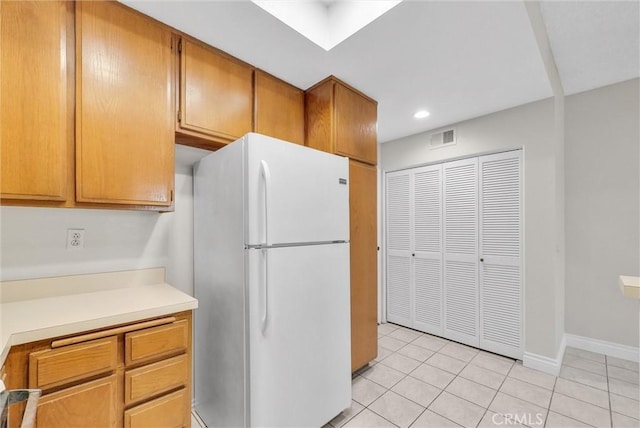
111, 332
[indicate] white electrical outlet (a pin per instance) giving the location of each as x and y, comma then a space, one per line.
75, 239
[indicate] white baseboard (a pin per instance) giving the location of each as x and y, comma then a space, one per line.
553, 365
611, 349
545, 364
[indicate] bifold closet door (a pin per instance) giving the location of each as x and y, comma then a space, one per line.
460, 198
500, 253
399, 245
414, 248
427, 249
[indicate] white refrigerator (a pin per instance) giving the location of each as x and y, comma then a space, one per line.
271, 272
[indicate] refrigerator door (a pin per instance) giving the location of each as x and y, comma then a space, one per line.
294, 194
300, 347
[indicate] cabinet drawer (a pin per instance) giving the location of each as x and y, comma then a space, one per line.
91, 404
57, 367
155, 343
154, 379
164, 412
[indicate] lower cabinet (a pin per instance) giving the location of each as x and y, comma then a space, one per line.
164, 412
133, 375
91, 404
148, 381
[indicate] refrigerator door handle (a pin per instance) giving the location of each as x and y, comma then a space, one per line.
266, 175
265, 291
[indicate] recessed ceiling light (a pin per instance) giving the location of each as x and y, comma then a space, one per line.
421, 114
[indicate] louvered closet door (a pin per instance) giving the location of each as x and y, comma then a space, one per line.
500, 250
427, 260
399, 243
460, 195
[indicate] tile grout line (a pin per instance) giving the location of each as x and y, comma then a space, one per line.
400, 380
449, 383
467, 363
496, 394
606, 370
409, 374
553, 392
406, 376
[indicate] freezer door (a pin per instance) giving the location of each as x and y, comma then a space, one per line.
294, 193
300, 347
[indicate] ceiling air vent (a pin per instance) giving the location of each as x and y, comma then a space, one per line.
441, 139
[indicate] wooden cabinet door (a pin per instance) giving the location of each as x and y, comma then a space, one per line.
364, 263
318, 111
355, 125
279, 109
92, 404
36, 104
216, 93
125, 111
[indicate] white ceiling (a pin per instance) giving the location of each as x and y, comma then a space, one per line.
457, 60
594, 43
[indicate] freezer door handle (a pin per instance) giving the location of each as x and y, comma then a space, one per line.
266, 175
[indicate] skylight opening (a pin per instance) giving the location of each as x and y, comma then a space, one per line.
327, 23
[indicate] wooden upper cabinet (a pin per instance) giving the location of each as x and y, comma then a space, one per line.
36, 100
356, 118
341, 120
216, 96
279, 109
125, 107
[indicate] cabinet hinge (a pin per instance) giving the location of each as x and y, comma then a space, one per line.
179, 116
180, 46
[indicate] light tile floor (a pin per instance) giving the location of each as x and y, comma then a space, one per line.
195, 421
420, 380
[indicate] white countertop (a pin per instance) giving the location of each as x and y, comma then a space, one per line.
630, 286
85, 302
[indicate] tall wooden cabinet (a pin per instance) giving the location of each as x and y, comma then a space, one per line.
124, 119
364, 273
341, 120
36, 100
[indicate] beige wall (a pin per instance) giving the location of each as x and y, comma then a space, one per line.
602, 211
531, 127
33, 240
